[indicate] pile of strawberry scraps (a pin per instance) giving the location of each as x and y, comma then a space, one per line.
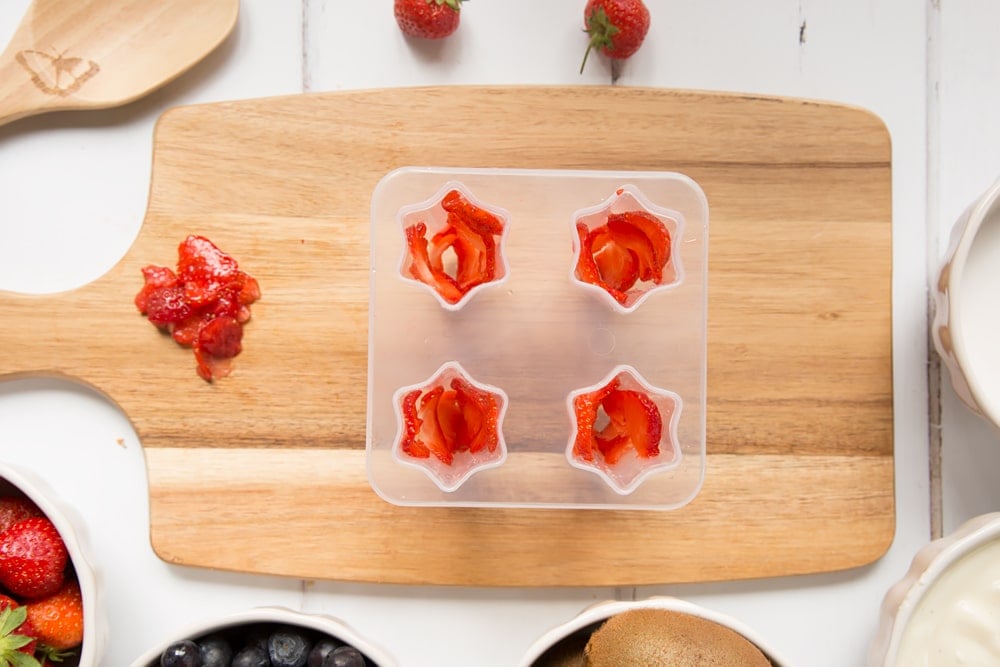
471, 232
444, 421
630, 248
633, 421
204, 304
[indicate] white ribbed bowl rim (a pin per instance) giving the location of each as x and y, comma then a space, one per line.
604, 610
928, 564
313, 621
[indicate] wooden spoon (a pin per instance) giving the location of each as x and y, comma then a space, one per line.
94, 54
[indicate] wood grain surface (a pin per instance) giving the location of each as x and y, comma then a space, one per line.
94, 54
264, 471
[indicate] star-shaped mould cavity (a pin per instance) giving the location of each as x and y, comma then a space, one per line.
450, 426
453, 245
624, 429
626, 248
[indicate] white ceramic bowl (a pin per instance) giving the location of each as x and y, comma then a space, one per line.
967, 315
601, 611
71, 529
321, 622
936, 560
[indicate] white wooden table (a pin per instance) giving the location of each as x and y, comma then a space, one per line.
72, 196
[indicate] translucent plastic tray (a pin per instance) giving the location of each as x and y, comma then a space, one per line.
537, 336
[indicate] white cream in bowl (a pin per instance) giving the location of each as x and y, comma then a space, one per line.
946, 610
967, 300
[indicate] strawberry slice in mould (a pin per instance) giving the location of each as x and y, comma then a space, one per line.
617, 264
476, 219
586, 266
585, 410
647, 237
421, 269
631, 237
481, 412
643, 421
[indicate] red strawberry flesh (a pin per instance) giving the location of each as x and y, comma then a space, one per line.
617, 265
32, 558
448, 421
427, 19
633, 420
469, 233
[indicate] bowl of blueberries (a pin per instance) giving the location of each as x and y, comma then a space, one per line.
267, 637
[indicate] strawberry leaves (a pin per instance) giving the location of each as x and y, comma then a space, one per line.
13, 643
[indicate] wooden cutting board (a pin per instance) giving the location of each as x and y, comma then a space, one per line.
264, 471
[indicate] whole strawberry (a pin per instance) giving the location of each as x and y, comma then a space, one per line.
16, 508
58, 618
429, 19
33, 558
615, 27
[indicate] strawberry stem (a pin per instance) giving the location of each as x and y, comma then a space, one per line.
601, 31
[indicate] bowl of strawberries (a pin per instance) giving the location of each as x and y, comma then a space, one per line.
47, 583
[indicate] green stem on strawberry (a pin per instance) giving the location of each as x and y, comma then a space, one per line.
601, 30
11, 643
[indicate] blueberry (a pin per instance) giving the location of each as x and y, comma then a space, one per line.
251, 656
345, 656
288, 647
215, 651
181, 654
321, 649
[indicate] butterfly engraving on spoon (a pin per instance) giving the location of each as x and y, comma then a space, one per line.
58, 74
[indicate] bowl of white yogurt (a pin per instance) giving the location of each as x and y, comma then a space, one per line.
966, 315
946, 610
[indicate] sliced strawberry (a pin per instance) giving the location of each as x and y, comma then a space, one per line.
482, 413
655, 231
647, 237
613, 448
167, 305
159, 276
221, 337
586, 267
203, 268
411, 427
199, 303
430, 430
633, 421
585, 408
249, 290
438, 246
451, 421
420, 265
476, 253
186, 332
155, 277
478, 220
642, 418
212, 368
617, 265
636, 416
629, 236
